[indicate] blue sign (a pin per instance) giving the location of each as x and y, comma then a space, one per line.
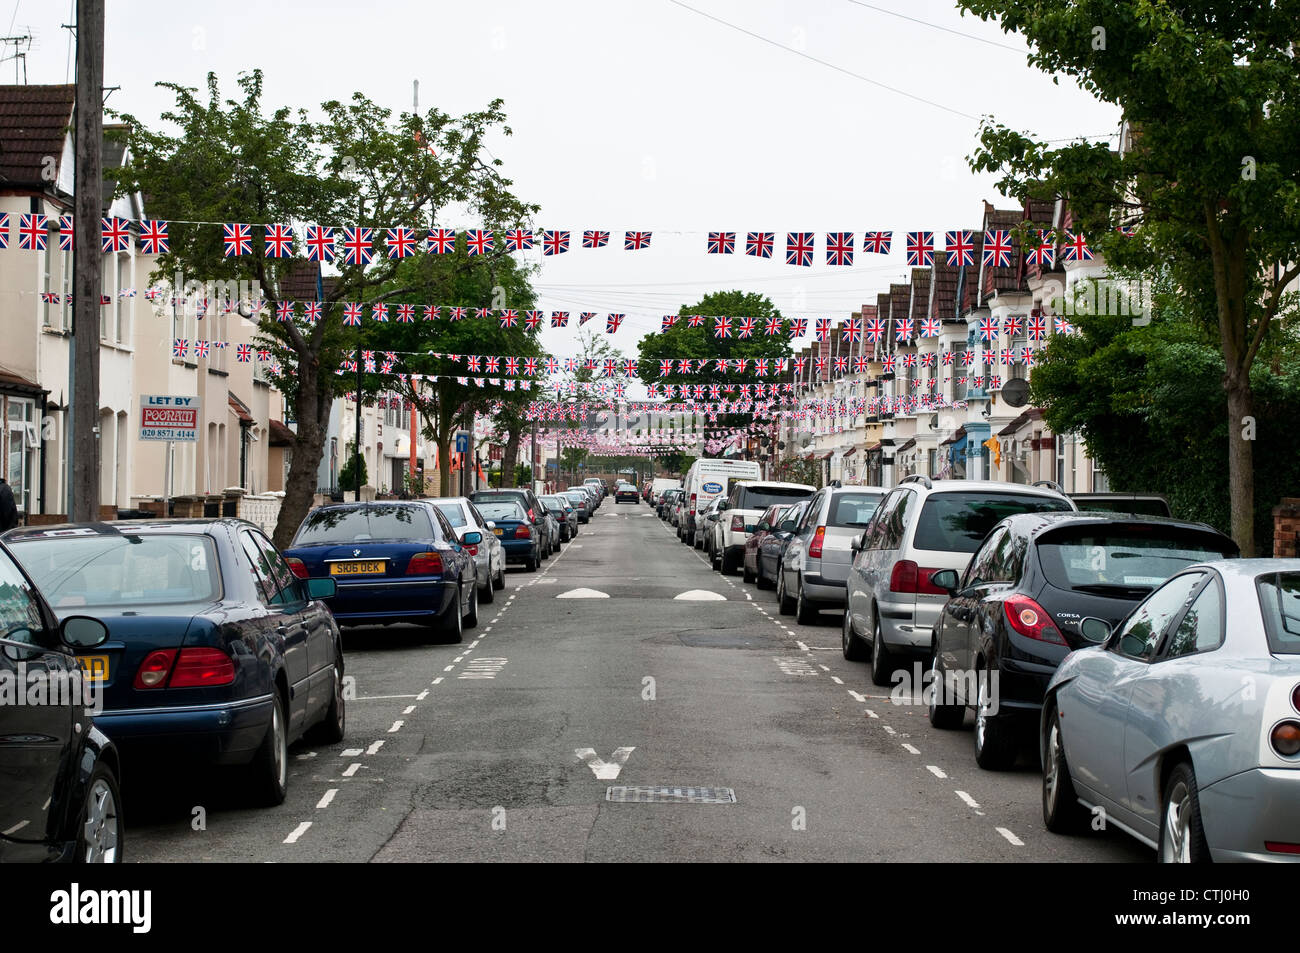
712, 488
462, 443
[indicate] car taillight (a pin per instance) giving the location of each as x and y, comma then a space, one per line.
297, 566
200, 667
815, 549
523, 532
738, 524
1295, 698
1031, 620
472, 549
1281, 847
692, 501
909, 577
153, 670
1285, 738
425, 564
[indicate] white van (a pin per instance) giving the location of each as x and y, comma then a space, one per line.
705, 481
661, 485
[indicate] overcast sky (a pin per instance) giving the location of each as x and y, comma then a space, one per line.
642, 115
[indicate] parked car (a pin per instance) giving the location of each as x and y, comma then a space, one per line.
581, 501
394, 562
545, 531
817, 559
741, 509
705, 521
1182, 723
772, 548
766, 522
217, 652
920, 527
1014, 614
598, 487
666, 502
593, 497
489, 557
519, 535
626, 493
60, 775
707, 479
564, 512
1147, 504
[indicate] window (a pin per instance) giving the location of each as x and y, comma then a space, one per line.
1060, 461
957, 522
853, 509
1201, 627
1141, 633
895, 523
1279, 599
123, 264
65, 287
49, 312
985, 565
454, 514
20, 613
290, 589
363, 524
268, 591
1122, 561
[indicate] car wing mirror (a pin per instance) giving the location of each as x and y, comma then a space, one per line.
472, 539
1095, 630
83, 632
946, 579
322, 587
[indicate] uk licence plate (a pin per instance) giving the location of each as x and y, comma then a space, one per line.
367, 568
499, 531
95, 667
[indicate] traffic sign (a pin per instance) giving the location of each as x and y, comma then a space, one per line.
462, 442
169, 417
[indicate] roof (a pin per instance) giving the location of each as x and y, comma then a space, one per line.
1033, 413
920, 295
297, 281
118, 527
944, 279
1035, 523
240, 409
34, 121
11, 383
281, 436
1004, 277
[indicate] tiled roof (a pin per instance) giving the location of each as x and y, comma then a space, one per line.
34, 121
920, 295
944, 279
298, 282
1008, 278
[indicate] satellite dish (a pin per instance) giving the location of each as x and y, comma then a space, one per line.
1016, 392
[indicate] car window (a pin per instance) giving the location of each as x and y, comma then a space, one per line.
1132, 558
263, 582
364, 523
20, 612
1201, 627
758, 497
1279, 600
874, 534
895, 524
286, 582
1140, 633
853, 509
455, 515
503, 510
479, 519
444, 525
957, 522
985, 565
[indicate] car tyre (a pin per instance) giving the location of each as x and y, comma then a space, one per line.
486, 595
942, 716
727, 563
270, 767
784, 603
882, 660
996, 746
761, 580
1062, 812
471, 617
1182, 837
101, 833
330, 730
804, 613
452, 626
850, 644
746, 575
499, 582
531, 564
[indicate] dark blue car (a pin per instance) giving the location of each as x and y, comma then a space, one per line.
216, 652
393, 562
520, 536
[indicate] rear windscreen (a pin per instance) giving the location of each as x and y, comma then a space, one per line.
958, 522
853, 509
455, 515
364, 523
121, 570
1123, 559
761, 497
502, 510
1279, 599
1147, 507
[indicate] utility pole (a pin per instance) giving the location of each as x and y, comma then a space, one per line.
88, 128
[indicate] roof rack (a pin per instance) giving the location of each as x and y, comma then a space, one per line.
918, 478
1050, 485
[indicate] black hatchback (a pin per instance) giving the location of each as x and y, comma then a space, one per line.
1014, 614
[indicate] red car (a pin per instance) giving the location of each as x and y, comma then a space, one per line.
750, 559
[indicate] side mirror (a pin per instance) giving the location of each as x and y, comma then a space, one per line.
1094, 630
491, 524
765, 527
787, 526
83, 632
471, 539
945, 579
322, 587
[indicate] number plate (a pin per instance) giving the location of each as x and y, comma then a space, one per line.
499, 531
372, 567
95, 667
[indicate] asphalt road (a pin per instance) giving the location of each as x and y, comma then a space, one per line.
624, 661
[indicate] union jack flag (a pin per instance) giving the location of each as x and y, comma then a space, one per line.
406, 314
746, 328
532, 320
839, 248
32, 233
875, 330
115, 234
66, 233
823, 329
432, 312
263, 354
1064, 326
799, 364
552, 366
4, 229
967, 358
320, 243
153, 236
379, 312
635, 241
820, 365
630, 367
722, 327
947, 358
668, 321
312, 311
473, 363
960, 248
610, 367
760, 367
722, 243
180, 346
695, 321
852, 331
665, 366
238, 239
860, 364
509, 318
49, 297
554, 242
585, 316
684, 366
772, 327
457, 314
927, 359
352, 314
920, 249
1027, 355
930, 327
595, 238
1014, 325
400, 242
512, 366
279, 241
519, 239
482, 312
441, 241
988, 329
559, 319
612, 322
889, 363
759, 244
877, 243
1043, 251
841, 365
358, 246
1128, 231
799, 249
904, 330
478, 241
284, 311
200, 348
1037, 328
997, 248
1076, 248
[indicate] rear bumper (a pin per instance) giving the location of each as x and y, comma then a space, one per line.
401, 600
1234, 834
821, 591
219, 734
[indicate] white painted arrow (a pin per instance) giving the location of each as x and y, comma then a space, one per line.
604, 770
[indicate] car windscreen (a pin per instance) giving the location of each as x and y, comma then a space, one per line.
102, 570
455, 515
852, 509
958, 522
1125, 560
577, 497
761, 497
555, 503
1143, 507
501, 510
364, 523
1279, 599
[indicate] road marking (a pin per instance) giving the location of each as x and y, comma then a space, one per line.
888, 729
824, 668
325, 801
802, 647
857, 696
483, 668
748, 596
408, 709
583, 594
351, 769
474, 643
436, 680
604, 770
970, 801
374, 698
306, 755
297, 832
836, 679
350, 753
397, 726
374, 748
447, 669
1015, 841
871, 714
546, 581
935, 770
17, 827
422, 696
457, 660
699, 595
911, 749
794, 666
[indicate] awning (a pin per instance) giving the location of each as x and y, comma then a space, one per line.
240, 409
956, 437
908, 446
11, 383
281, 436
874, 448
849, 452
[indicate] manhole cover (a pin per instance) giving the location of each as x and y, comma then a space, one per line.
667, 795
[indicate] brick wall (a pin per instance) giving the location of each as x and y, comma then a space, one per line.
1286, 528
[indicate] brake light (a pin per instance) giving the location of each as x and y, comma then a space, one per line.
472, 549
815, 549
1031, 620
1286, 739
523, 532
738, 524
153, 670
297, 566
692, 501
909, 577
425, 564
1281, 847
530, 514
202, 667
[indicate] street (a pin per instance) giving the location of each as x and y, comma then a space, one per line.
623, 662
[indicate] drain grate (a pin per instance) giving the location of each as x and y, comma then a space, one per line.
663, 794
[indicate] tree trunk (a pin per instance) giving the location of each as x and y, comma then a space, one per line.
312, 415
1241, 460
509, 456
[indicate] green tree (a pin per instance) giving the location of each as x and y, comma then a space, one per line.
1210, 174
348, 472
230, 161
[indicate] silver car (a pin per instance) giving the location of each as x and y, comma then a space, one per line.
489, 557
1182, 728
565, 513
818, 557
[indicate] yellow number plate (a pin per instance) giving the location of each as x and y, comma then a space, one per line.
95, 667
358, 569
499, 531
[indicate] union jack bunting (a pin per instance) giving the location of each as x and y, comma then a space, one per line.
1037, 328
967, 358
852, 331
441, 241
722, 243
665, 366
478, 241
263, 354
695, 321
988, 329
432, 312
1007, 357
559, 319
509, 318
746, 327
722, 327
875, 330
482, 312
1042, 251
153, 236
457, 314
552, 366
609, 367
798, 327
1075, 248
904, 330
201, 348
320, 243
284, 310
406, 314
990, 357
358, 246
1063, 326
66, 233
888, 364
585, 316
400, 242
799, 249
920, 249
635, 241
352, 314
860, 364
554, 242
930, 327
823, 332
32, 233
630, 367
612, 322
473, 363
1027, 356
947, 358
960, 248
772, 327
1014, 325
379, 312
180, 346
841, 365
759, 244
668, 321
876, 243
519, 239
799, 364
532, 320
278, 241
312, 311
512, 366
997, 248
684, 366
595, 238
839, 248
1128, 231
760, 367
50, 297
237, 239
4, 229
819, 364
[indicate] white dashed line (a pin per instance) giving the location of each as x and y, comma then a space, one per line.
374, 748
297, 832
825, 668
1014, 840
871, 714
436, 680
910, 748
349, 752
836, 679
351, 769
408, 709
422, 696
970, 801
888, 729
325, 801
798, 643
857, 696
397, 726
447, 669
936, 771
